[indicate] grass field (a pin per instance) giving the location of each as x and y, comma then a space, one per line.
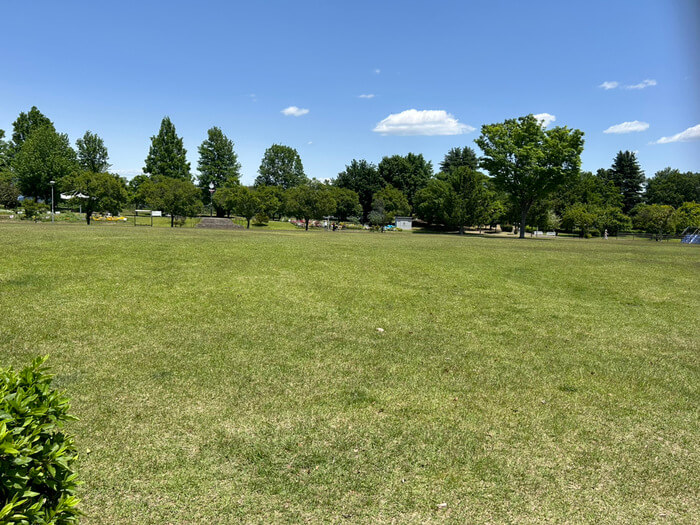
239, 376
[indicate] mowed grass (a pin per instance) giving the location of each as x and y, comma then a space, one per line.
238, 376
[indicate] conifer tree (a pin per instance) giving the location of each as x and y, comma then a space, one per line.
218, 163
167, 156
629, 177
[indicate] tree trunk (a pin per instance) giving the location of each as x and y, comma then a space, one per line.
307, 224
247, 225
88, 216
172, 220
461, 229
523, 221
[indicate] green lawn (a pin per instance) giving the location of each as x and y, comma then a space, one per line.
226, 376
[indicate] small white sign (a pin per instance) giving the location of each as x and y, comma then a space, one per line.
156, 213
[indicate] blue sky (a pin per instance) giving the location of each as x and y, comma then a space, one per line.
117, 68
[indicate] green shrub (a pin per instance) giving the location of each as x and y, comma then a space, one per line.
261, 219
34, 210
37, 482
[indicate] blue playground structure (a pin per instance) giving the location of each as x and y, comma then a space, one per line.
691, 236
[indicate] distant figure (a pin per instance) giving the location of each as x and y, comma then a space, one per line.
335, 226
605, 234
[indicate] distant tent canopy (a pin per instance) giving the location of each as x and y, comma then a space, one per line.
67, 196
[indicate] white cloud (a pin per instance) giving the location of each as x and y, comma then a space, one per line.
310, 142
424, 122
368, 95
643, 84
628, 127
609, 84
545, 119
294, 111
377, 71
684, 136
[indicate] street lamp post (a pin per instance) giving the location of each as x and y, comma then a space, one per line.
52, 182
211, 199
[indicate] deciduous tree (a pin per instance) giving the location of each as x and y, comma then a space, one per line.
176, 197
311, 201
281, 166
670, 186
96, 192
529, 162
363, 178
92, 153
407, 174
25, 124
240, 200
43, 157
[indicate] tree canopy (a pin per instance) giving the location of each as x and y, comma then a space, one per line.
25, 124
96, 192
458, 157
311, 201
363, 178
281, 166
218, 163
407, 174
176, 197
45, 156
92, 153
529, 162
626, 174
670, 186
167, 156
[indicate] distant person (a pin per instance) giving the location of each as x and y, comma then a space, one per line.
605, 234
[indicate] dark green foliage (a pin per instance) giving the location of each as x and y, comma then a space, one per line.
4, 152
347, 203
92, 153
458, 157
102, 192
135, 196
457, 199
37, 478
528, 162
9, 193
271, 199
25, 124
176, 197
281, 166
388, 203
672, 187
167, 156
407, 174
218, 163
33, 209
311, 201
629, 177
44, 156
363, 178
240, 200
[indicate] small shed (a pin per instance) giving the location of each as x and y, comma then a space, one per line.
404, 223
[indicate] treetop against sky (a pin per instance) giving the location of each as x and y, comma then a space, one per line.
366, 80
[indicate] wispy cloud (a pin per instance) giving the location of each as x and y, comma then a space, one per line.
643, 84
545, 119
613, 84
377, 71
628, 127
684, 136
423, 122
293, 111
368, 95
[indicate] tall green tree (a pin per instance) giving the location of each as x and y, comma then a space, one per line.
92, 153
96, 192
25, 124
458, 198
363, 178
45, 156
659, 219
347, 203
407, 174
529, 162
218, 163
626, 174
670, 186
176, 197
4, 152
311, 201
167, 156
240, 200
458, 157
388, 203
9, 193
281, 166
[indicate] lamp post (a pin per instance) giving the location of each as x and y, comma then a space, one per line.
211, 198
52, 182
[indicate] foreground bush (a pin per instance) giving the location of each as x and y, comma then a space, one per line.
37, 482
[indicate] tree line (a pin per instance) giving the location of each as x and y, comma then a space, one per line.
528, 176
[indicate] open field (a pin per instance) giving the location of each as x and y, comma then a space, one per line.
226, 376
